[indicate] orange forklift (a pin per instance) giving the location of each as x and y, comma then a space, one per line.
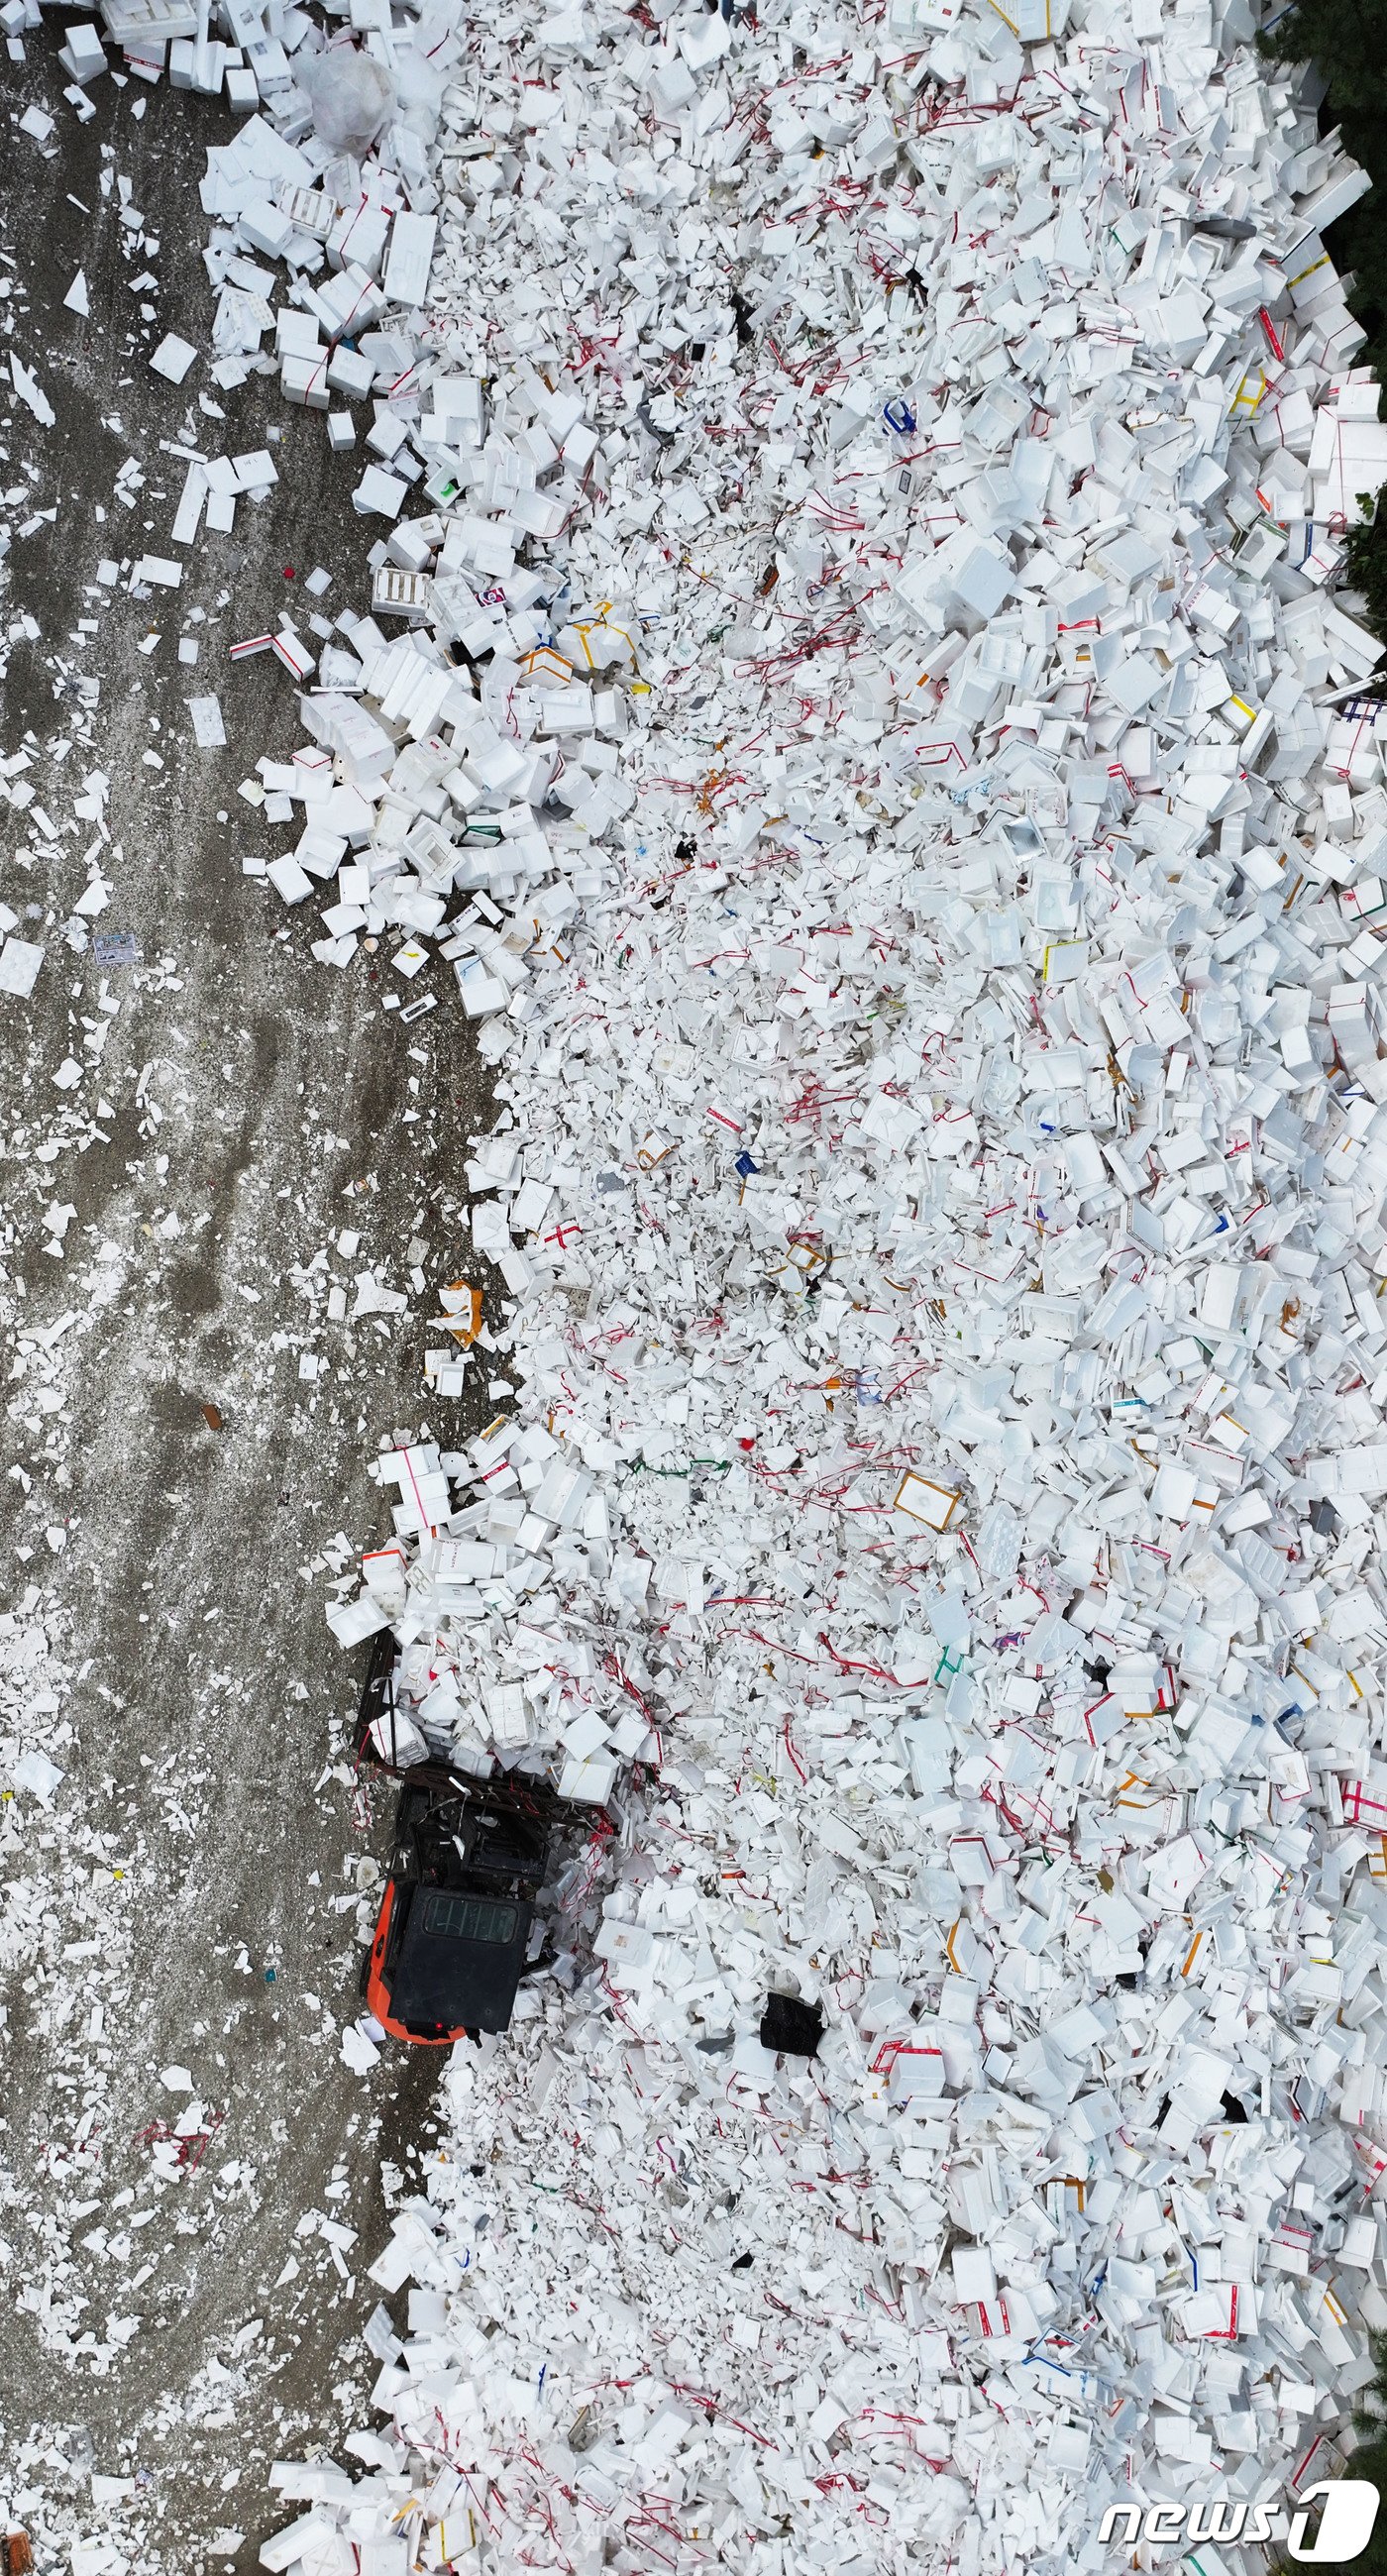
453, 1937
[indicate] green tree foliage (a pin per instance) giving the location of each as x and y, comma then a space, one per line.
1365, 567
1346, 40
1370, 2458
1369, 2461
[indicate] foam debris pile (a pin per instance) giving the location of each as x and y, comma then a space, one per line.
857, 696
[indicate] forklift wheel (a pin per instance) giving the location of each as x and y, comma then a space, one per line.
363, 1974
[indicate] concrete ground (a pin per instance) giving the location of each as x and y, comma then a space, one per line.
201, 1873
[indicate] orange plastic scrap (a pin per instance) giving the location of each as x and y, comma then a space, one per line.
463, 1311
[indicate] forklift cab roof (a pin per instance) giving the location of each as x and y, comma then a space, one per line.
459, 1958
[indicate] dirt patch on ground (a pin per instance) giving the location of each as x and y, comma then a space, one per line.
253, 1106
